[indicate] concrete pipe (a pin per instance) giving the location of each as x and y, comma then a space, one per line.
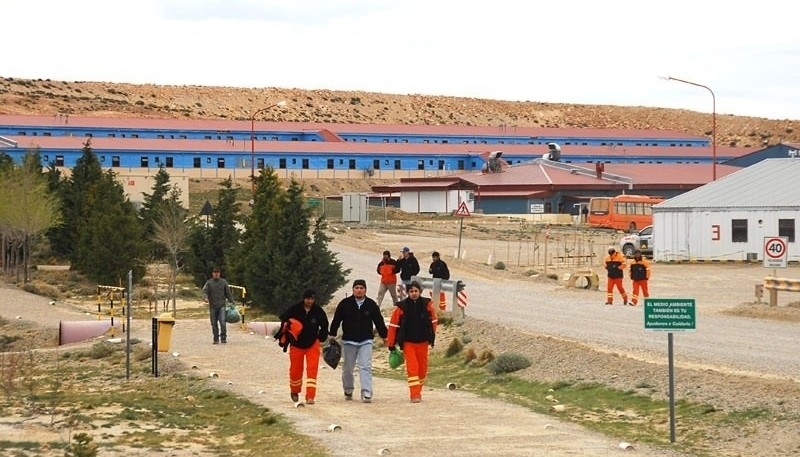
264, 328
584, 279
76, 331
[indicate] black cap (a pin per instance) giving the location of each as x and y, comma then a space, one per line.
310, 293
360, 282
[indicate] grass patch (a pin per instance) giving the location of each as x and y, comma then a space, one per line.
85, 392
636, 417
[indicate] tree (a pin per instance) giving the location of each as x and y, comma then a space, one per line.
171, 231
151, 209
101, 234
27, 209
213, 246
278, 257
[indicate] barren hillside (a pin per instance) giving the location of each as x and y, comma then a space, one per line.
43, 96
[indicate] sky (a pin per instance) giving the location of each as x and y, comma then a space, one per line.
745, 53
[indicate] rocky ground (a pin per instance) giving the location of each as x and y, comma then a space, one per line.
44, 96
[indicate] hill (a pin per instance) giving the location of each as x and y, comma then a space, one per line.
45, 97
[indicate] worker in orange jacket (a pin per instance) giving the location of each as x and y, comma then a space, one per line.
413, 328
615, 266
640, 274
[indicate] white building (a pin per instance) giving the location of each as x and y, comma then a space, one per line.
728, 219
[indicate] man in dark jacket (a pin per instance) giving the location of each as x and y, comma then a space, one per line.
407, 265
438, 269
306, 348
215, 292
357, 315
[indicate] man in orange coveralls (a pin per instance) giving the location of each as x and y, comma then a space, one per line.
615, 266
640, 274
306, 347
413, 328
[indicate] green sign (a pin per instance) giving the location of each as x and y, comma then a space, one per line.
669, 314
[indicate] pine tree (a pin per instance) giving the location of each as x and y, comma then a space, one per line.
278, 257
151, 207
215, 245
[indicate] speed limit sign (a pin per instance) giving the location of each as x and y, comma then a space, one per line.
776, 251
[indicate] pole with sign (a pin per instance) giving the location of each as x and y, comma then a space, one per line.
461, 212
670, 315
776, 252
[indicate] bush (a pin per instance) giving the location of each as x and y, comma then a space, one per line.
470, 355
508, 363
499, 266
455, 347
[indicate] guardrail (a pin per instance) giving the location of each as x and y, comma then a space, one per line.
457, 300
773, 284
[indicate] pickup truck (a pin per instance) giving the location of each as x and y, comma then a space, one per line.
642, 240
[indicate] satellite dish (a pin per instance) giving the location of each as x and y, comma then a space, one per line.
554, 154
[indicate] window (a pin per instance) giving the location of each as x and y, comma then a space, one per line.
115, 161
169, 163
59, 161
220, 162
329, 164
208, 137
786, 228
196, 162
145, 162
739, 230
351, 164
420, 164
461, 164
441, 165
397, 164
160, 137
282, 163
260, 163
376, 164
305, 164
102, 158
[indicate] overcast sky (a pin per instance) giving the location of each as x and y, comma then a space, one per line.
567, 51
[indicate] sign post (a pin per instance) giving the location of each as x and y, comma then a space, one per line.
670, 315
461, 212
776, 251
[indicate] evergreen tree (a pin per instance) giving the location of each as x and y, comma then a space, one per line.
214, 245
151, 208
74, 194
110, 241
278, 257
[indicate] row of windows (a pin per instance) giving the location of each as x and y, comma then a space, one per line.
197, 162
739, 232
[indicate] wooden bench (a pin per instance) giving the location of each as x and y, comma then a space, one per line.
774, 284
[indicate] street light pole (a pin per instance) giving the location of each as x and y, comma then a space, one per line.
713, 123
253, 141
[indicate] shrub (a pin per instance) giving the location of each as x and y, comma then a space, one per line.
500, 266
470, 355
454, 348
508, 363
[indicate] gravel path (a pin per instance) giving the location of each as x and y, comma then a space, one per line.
728, 361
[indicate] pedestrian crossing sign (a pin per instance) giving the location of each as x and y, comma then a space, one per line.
462, 210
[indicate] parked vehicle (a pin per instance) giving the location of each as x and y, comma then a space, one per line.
623, 212
641, 240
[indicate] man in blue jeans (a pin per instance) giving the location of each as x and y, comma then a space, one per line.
357, 314
215, 292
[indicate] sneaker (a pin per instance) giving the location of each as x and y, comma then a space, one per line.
295, 397
631, 304
309, 401
215, 342
366, 399
348, 396
224, 341
607, 303
416, 400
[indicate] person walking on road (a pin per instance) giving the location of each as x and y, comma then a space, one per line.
215, 293
387, 269
357, 314
305, 350
640, 274
615, 266
438, 269
413, 327
407, 266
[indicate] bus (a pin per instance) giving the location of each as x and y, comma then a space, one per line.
623, 212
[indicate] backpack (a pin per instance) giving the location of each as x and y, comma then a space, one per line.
288, 333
